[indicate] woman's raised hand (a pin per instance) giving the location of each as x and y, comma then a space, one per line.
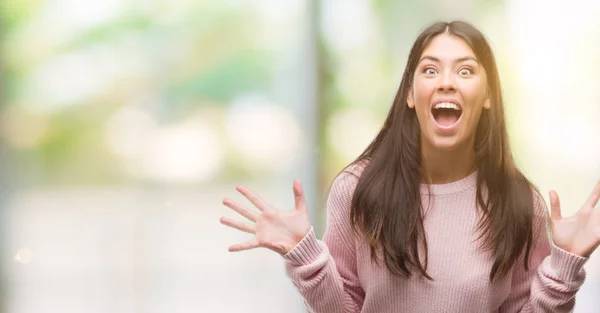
580, 233
274, 229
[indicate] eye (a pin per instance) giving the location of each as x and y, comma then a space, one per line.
465, 71
430, 71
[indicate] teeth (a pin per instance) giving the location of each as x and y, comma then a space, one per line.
447, 105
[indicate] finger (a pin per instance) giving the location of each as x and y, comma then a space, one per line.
253, 198
555, 206
245, 227
241, 210
593, 199
299, 196
250, 244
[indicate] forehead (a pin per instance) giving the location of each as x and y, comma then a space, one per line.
448, 47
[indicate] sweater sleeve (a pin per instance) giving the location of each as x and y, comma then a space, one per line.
324, 272
554, 275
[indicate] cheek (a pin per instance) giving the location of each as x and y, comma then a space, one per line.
421, 104
423, 92
475, 99
474, 93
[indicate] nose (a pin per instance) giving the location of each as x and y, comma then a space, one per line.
447, 83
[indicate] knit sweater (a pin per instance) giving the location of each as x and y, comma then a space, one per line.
338, 274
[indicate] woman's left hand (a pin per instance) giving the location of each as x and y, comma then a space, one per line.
580, 233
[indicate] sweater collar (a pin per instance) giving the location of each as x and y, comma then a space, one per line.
450, 188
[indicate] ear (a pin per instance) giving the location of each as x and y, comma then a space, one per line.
487, 104
409, 100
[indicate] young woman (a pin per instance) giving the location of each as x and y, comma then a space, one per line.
433, 216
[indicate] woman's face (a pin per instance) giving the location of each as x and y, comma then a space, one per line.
448, 93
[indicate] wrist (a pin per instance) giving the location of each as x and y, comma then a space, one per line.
295, 242
306, 251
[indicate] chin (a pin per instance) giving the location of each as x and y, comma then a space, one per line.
446, 143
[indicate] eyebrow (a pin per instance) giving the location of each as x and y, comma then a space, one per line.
428, 57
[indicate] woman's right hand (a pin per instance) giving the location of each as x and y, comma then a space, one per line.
274, 229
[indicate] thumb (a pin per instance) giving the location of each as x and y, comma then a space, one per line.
554, 206
299, 196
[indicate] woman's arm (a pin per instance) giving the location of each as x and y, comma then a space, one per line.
325, 272
554, 275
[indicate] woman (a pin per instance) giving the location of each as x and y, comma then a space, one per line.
433, 216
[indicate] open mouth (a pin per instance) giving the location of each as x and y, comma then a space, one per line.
446, 114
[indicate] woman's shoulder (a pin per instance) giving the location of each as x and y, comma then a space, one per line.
344, 184
540, 209
356, 168
541, 215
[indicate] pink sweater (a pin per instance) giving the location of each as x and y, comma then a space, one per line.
337, 274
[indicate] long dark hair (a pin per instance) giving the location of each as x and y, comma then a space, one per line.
386, 205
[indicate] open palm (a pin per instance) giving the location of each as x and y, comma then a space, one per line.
580, 233
274, 229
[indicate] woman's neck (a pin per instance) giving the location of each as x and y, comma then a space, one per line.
446, 166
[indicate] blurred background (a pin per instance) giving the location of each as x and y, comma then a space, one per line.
124, 123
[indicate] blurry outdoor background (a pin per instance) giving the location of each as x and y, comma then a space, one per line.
124, 123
